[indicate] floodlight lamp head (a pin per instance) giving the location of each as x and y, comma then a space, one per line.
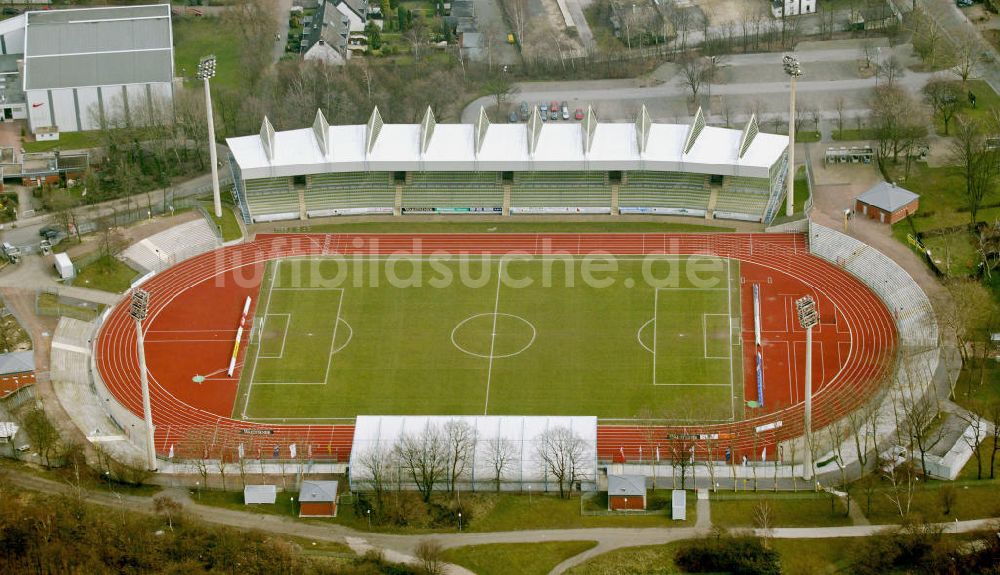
140, 305
206, 68
806, 309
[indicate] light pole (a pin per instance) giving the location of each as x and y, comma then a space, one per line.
806, 308
369, 514
138, 310
206, 71
791, 64
460, 521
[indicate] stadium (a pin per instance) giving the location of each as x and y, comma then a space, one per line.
641, 167
305, 346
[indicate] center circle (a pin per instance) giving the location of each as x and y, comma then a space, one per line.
495, 335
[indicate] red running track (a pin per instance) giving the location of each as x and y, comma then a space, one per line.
196, 306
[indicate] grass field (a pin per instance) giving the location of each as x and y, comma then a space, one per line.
517, 336
523, 558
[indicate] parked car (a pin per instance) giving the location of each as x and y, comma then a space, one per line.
49, 232
565, 111
543, 109
512, 118
554, 106
579, 114
553, 115
964, 3
525, 110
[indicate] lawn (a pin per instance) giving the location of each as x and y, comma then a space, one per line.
790, 510
49, 304
107, 274
521, 558
492, 512
806, 136
812, 556
283, 504
975, 500
507, 227
513, 336
67, 141
227, 224
195, 38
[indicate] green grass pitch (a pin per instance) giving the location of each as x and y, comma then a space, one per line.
333, 339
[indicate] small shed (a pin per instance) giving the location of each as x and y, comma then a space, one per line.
64, 266
259, 494
626, 492
318, 499
887, 202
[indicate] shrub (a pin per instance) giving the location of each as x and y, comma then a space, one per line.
739, 555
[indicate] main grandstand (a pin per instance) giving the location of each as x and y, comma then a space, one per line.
590, 167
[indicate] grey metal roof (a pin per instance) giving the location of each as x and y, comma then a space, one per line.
17, 362
318, 492
627, 485
887, 196
98, 46
259, 494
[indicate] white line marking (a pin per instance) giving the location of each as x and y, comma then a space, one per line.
493, 337
267, 306
284, 336
729, 302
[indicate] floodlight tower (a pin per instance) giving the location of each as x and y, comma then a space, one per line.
138, 311
206, 71
808, 318
791, 64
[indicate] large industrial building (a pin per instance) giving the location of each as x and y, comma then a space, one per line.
69, 70
586, 167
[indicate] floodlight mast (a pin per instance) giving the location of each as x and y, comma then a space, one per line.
206, 71
138, 311
808, 318
791, 65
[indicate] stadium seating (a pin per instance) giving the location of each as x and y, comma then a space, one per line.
751, 204
664, 190
271, 197
453, 190
170, 246
347, 190
560, 189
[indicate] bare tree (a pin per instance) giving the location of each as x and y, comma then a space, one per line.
944, 97
978, 428
976, 161
501, 88
376, 465
461, 439
430, 553
966, 55
896, 120
424, 456
168, 507
902, 480
840, 113
763, 520
693, 72
501, 455
43, 434
561, 452
993, 413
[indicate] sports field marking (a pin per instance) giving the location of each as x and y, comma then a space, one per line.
493, 336
284, 336
333, 345
534, 333
253, 368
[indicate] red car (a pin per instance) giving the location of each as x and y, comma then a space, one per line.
554, 106
579, 114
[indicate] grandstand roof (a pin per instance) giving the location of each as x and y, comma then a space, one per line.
506, 147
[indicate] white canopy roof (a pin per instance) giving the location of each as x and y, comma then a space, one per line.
510, 147
383, 432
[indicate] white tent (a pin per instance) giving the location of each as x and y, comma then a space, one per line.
522, 433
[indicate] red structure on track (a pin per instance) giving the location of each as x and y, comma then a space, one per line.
196, 306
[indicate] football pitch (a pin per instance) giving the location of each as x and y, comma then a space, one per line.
617, 337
